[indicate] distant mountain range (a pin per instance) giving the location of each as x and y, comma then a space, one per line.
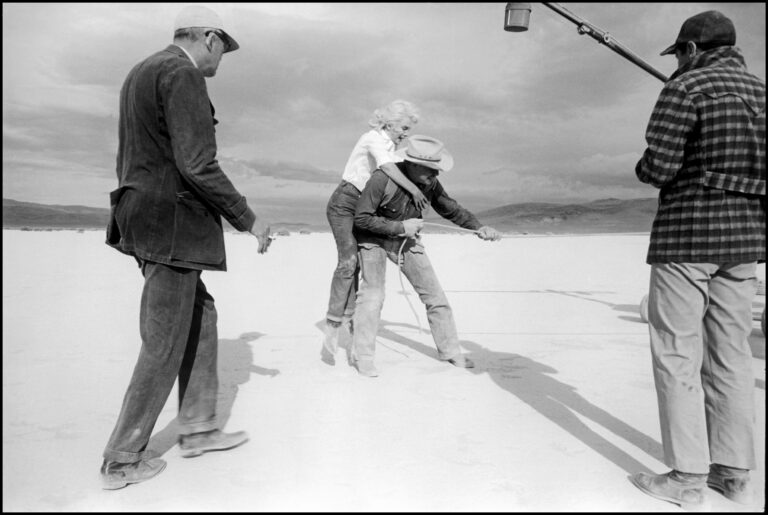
18, 215
599, 216
31, 216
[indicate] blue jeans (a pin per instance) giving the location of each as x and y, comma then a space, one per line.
178, 333
341, 216
370, 299
700, 317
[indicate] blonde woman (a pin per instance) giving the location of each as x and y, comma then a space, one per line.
389, 126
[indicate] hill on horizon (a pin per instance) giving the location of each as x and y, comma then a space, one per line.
30, 215
599, 216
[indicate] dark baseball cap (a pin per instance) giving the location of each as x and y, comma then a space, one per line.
708, 30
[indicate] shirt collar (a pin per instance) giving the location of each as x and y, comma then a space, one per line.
188, 55
385, 136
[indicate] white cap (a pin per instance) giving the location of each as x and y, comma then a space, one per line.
203, 17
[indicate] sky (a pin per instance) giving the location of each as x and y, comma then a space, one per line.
545, 115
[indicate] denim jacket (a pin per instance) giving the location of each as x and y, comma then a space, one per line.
172, 192
383, 206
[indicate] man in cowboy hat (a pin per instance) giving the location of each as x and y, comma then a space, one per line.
166, 213
387, 224
706, 153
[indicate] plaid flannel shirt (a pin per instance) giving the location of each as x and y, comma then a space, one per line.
706, 153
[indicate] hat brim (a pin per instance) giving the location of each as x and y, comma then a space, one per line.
445, 163
669, 50
230, 45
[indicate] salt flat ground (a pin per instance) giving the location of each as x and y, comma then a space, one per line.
560, 410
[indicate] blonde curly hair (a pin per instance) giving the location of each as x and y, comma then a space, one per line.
395, 111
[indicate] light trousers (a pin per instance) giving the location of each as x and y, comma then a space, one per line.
370, 300
700, 318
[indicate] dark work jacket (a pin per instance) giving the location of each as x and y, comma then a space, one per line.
383, 206
172, 192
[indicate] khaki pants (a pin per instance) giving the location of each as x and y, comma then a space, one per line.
700, 317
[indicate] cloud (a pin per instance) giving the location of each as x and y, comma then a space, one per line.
282, 170
88, 142
551, 112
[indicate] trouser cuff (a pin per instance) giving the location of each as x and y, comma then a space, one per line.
123, 457
196, 427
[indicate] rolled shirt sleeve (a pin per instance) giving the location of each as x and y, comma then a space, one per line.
451, 210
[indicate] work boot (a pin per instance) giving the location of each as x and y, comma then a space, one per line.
681, 488
732, 482
216, 440
366, 368
116, 475
461, 361
330, 342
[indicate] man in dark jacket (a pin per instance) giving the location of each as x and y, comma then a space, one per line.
166, 213
386, 226
706, 153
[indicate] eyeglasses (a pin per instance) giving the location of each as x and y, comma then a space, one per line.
218, 33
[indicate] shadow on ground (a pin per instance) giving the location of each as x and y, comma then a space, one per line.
578, 294
756, 338
532, 383
235, 362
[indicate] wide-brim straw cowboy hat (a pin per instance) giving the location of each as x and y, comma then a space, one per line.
427, 151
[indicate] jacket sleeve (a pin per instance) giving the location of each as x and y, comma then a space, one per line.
672, 120
451, 210
370, 200
190, 126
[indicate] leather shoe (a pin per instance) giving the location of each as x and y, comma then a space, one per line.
732, 483
674, 488
462, 361
216, 440
116, 475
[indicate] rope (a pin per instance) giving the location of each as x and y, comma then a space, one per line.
400, 275
455, 227
400, 266
379, 342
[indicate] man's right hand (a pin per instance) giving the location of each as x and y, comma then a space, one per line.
488, 233
260, 229
411, 227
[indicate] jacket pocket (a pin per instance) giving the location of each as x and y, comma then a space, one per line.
197, 235
113, 229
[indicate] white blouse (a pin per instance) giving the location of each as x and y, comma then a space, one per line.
373, 149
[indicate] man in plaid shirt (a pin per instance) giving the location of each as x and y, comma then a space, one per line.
706, 154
